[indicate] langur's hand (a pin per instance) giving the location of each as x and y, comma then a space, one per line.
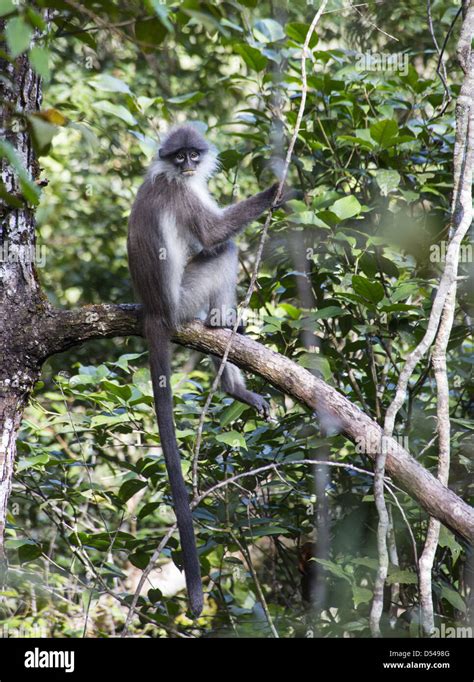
287, 195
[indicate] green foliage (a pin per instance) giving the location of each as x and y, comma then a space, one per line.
344, 290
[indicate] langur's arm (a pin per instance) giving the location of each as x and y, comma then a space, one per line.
215, 228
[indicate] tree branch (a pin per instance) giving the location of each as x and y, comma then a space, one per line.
61, 329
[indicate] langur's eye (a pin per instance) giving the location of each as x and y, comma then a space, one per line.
179, 157
194, 156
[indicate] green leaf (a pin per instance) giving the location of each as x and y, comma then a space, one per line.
42, 133
148, 509
368, 264
372, 291
316, 362
115, 110
6, 7
147, 144
360, 140
163, 13
447, 539
332, 568
150, 34
229, 158
454, 598
39, 60
129, 488
387, 180
232, 438
269, 30
189, 98
326, 313
389, 267
108, 419
347, 207
384, 132
361, 595
109, 83
205, 19
398, 308
81, 380
87, 597
155, 595
29, 551
291, 310
35, 18
9, 199
266, 530
30, 190
404, 291
124, 359
298, 31
402, 577
308, 218
32, 462
139, 559
252, 57
123, 392
18, 35
232, 413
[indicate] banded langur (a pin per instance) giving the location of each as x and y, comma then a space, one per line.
184, 264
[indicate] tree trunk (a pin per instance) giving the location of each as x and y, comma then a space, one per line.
21, 300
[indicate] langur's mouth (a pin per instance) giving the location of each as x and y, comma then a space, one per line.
188, 172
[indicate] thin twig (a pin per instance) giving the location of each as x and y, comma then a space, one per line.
371, 23
444, 431
441, 67
246, 554
390, 487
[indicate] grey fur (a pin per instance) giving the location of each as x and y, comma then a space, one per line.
184, 137
183, 264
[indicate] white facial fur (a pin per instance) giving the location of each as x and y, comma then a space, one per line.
205, 169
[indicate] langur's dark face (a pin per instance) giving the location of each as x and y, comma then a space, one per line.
186, 160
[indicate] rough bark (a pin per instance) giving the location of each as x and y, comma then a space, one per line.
21, 301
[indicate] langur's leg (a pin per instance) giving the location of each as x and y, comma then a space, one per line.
197, 280
222, 300
222, 313
233, 383
208, 287
208, 290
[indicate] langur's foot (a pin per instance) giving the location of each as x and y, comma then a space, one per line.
260, 404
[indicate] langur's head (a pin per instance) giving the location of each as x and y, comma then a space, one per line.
184, 153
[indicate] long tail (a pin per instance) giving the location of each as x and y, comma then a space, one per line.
160, 363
